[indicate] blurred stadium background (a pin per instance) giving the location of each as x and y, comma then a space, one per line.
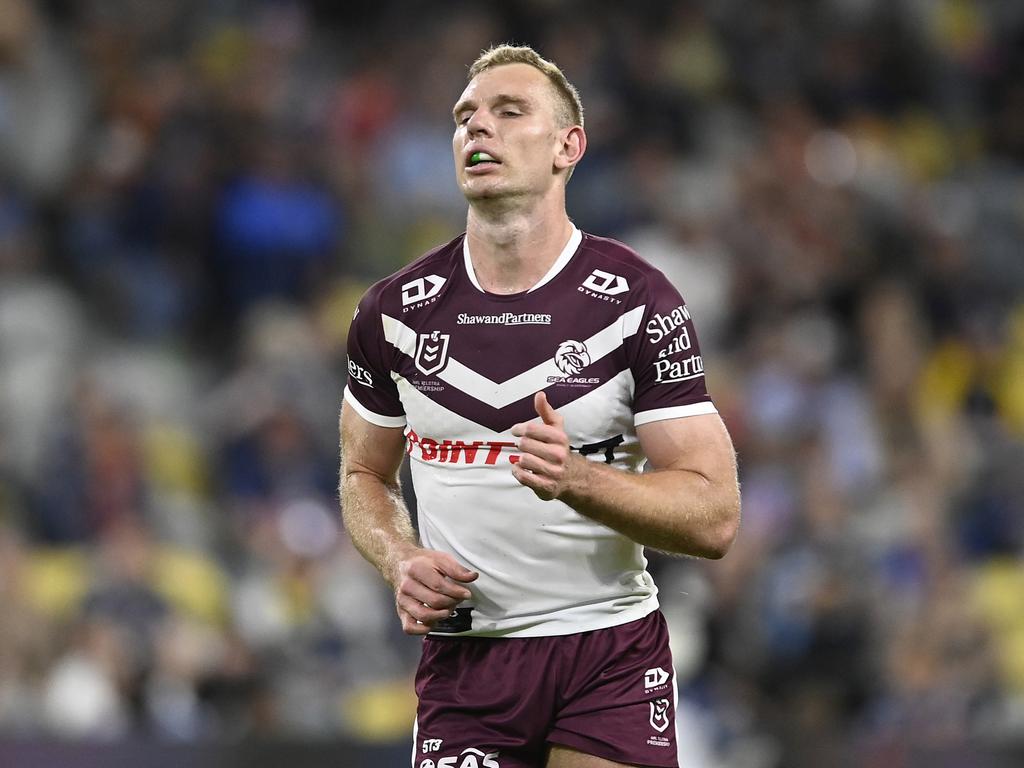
194, 194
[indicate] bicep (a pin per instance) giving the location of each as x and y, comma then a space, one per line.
698, 444
366, 447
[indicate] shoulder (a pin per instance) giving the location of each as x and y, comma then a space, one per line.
422, 280
614, 265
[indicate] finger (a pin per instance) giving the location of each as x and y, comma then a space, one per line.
441, 584
412, 627
433, 598
539, 484
421, 612
547, 414
440, 572
538, 466
544, 432
550, 452
453, 569
434, 582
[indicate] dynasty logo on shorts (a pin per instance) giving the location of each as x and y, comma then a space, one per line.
655, 677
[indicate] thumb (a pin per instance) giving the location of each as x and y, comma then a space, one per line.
547, 414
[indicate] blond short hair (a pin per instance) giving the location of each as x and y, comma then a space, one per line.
570, 108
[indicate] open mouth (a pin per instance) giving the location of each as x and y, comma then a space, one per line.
481, 160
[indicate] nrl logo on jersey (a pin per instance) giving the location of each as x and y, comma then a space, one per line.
421, 291
432, 352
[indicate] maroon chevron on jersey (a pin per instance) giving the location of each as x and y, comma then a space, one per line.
611, 343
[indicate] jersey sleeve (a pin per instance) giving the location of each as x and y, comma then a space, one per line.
370, 390
667, 367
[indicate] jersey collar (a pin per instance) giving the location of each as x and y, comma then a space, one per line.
563, 258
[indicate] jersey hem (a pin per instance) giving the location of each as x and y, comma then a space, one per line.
374, 418
555, 627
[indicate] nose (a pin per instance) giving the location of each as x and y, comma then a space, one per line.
479, 123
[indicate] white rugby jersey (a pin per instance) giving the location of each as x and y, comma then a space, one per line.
611, 343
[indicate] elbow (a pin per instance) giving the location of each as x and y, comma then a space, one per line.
720, 543
721, 536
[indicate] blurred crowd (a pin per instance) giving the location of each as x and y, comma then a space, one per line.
194, 195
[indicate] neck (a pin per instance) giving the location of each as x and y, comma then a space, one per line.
513, 249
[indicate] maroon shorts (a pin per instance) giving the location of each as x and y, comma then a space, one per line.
500, 702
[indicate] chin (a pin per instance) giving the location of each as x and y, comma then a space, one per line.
482, 191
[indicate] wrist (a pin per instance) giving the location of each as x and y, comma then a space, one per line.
577, 480
397, 554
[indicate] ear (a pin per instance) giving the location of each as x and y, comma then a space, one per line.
573, 143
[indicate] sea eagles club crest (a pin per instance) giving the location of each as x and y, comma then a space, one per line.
571, 357
432, 352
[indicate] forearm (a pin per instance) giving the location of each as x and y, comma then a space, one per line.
428, 584
674, 510
377, 521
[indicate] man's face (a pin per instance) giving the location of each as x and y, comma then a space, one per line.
507, 113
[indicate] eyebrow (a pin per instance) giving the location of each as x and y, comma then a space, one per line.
502, 98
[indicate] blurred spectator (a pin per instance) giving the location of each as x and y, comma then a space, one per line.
276, 230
